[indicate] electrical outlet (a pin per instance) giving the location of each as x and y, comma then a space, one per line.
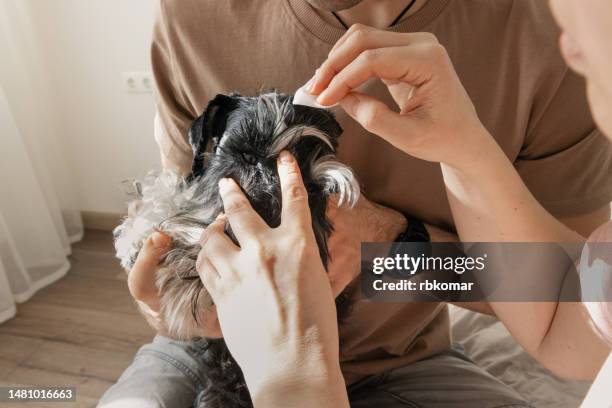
137, 82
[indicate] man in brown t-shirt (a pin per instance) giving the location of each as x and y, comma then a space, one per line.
505, 53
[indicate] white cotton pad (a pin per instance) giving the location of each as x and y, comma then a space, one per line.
303, 97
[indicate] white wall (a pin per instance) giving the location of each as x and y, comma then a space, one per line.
106, 133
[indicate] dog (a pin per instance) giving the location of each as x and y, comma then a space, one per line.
238, 137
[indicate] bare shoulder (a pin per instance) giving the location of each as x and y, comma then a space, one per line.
598, 248
603, 233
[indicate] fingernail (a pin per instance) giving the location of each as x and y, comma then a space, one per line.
315, 80
349, 103
285, 157
160, 240
321, 98
311, 83
221, 216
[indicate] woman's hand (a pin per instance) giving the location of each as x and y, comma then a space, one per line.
437, 120
273, 297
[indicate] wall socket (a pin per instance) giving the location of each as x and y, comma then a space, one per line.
137, 81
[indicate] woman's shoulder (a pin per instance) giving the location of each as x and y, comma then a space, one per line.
602, 233
599, 247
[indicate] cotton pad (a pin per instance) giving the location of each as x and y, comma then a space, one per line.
303, 97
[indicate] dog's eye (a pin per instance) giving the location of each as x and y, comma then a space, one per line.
249, 158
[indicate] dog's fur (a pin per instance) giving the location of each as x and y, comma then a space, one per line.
238, 137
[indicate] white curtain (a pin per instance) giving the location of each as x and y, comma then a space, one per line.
39, 216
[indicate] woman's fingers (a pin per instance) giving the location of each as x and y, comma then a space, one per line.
245, 222
295, 209
349, 33
357, 41
413, 64
218, 263
217, 249
377, 118
209, 275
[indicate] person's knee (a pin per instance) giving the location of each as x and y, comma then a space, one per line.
163, 374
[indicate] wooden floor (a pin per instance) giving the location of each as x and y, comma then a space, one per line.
82, 331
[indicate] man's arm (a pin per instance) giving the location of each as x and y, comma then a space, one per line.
174, 111
168, 161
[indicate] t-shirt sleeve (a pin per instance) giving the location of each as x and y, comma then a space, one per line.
173, 116
566, 162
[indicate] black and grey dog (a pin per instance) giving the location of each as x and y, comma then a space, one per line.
238, 137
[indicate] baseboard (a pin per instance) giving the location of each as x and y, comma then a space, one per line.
101, 221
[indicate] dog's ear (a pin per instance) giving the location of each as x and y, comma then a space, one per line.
327, 123
322, 119
331, 126
209, 127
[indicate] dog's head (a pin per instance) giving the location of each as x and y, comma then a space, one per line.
238, 137
241, 137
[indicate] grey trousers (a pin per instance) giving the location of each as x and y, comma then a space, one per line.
166, 374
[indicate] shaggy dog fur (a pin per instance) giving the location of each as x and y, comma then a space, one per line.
238, 137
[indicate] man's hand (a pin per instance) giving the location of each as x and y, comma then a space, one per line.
366, 222
437, 120
141, 279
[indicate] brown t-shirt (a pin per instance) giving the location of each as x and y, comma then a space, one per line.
506, 55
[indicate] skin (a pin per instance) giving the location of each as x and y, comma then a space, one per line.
141, 279
585, 44
437, 122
